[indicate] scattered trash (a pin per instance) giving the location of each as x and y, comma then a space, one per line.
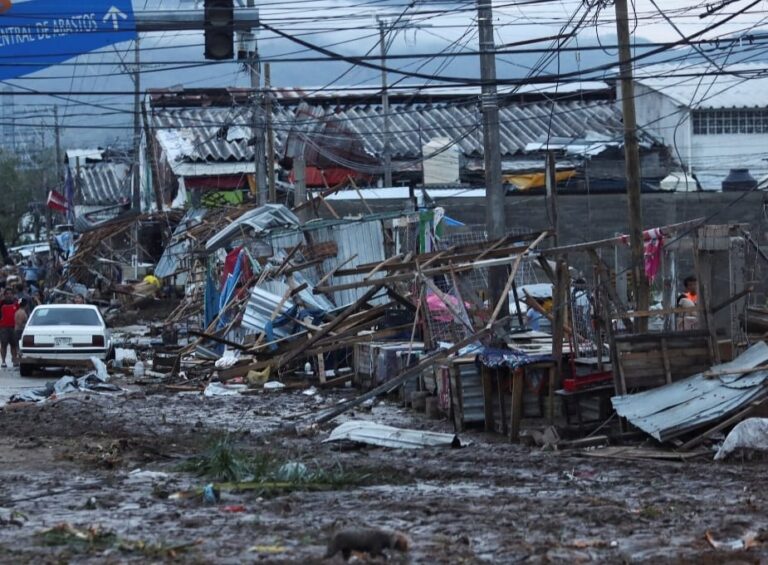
233, 508
66, 385
749, 539
749, 434
220, 389
125, 357
371, 433
292, 471
311, 391
274, 385
258, 378
138, 369
229, 359
267, 549
211, 494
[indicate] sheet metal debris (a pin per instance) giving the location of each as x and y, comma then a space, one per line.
672, 410
372, 433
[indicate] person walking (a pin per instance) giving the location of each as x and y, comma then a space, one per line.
20, 322
7, 327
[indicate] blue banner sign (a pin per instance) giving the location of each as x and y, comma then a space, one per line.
40, 33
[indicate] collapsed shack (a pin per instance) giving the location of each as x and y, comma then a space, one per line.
665, 363
112, 258
398, 303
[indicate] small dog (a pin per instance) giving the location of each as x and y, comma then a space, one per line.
368, 541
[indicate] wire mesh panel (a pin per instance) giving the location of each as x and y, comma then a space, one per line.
448, 317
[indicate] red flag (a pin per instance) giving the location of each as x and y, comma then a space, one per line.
57, 202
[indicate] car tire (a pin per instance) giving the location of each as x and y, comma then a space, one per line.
26, 369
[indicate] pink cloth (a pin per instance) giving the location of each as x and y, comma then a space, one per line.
653, 249
438, 310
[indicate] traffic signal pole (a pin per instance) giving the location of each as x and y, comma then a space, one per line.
237, 19
244, 19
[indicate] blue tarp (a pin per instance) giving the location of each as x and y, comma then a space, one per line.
494, 358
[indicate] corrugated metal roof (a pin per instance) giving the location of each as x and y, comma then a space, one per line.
104, 183
202, 134
680, 407
705, 86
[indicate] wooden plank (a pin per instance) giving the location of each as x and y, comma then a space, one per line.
610, 242
723, 372
516, 414
562, 290
511, 278
425, 260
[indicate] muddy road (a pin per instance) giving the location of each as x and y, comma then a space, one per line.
118, 479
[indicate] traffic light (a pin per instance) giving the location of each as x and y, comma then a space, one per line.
219, 29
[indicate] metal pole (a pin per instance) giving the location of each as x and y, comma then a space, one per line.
494, 200
385, 104
137, 127
632, 159
245, 19
270, 134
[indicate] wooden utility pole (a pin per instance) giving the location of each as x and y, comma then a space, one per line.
258, 129
57, 131
137, 127
632, 159
270, 134
494, 188
551, 184
385, 104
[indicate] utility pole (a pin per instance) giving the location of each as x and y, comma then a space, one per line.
257, 120
494, 189
57, 132
632, 161
270, 134
385, 103
551, 184
137, 127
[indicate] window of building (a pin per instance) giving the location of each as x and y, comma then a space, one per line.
730, 121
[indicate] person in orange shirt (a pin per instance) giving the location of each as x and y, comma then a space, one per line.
688, 299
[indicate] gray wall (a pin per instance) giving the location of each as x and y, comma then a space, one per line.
586, 218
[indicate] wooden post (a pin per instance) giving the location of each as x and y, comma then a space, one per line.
551, 184
518, 380
632, 162
485, 375
560, 305
270, 133
300, 196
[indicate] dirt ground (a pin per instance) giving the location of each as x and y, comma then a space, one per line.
93, 478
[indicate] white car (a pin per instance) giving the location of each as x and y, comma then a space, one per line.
57, 333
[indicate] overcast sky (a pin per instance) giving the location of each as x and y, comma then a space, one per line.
91, 119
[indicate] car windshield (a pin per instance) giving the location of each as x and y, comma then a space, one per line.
65, 317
